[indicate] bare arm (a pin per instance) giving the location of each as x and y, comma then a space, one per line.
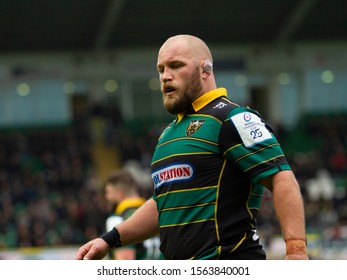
141, 225
289, 208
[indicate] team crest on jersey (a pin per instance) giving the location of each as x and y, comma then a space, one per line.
194, 126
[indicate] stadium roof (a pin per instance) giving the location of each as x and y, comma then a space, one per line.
87, 25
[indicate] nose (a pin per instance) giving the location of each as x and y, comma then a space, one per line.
166, 75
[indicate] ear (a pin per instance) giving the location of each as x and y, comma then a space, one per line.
207, 66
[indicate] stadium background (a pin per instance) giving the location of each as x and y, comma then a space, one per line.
79, 96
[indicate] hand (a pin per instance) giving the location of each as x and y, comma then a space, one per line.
95, 249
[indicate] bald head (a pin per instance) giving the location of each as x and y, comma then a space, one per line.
192, 47
188, 49
185, 72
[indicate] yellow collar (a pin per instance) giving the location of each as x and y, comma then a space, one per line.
206, 98
133, 202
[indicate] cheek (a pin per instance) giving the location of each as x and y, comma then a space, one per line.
108, 196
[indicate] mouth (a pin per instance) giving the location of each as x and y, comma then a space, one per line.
168, 89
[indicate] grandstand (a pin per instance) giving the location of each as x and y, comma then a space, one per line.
78, 99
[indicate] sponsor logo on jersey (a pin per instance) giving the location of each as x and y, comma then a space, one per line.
172, 173
194, 126
247, 117
220, 105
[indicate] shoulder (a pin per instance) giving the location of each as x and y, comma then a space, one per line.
219, 108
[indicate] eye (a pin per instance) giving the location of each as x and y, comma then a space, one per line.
176, 65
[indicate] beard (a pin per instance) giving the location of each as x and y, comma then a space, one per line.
181, 101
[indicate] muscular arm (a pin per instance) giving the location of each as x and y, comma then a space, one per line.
141, 225
289, 208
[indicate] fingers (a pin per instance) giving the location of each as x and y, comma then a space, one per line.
83, 251
93, 250
92, 254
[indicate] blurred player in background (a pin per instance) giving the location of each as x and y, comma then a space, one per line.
209, 171
122, 192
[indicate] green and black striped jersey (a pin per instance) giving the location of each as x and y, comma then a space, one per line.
206, 170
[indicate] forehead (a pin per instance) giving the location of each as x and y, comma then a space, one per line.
174, 51
112, 187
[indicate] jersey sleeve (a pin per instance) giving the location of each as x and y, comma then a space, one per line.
248, 142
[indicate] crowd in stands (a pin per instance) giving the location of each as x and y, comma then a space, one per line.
48, 198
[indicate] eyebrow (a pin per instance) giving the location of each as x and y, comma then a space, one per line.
170, 62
